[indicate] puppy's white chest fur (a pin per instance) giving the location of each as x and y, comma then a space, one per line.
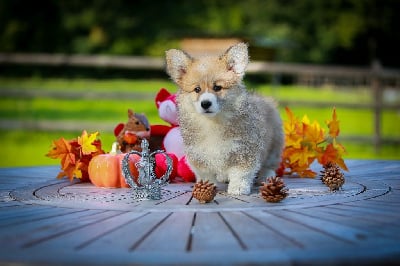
209, 143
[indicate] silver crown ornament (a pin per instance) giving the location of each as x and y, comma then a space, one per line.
148, 186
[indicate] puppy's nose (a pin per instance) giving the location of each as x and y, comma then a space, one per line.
206, 104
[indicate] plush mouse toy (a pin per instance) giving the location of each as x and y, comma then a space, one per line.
129, 136
172, 142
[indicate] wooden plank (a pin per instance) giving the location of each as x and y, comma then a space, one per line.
376, 226
256, 235
297, 231
349, 234
11, 204
171, 235
128, 237
366, 213
35, 214
211, 233
85, 235
31, 233
355, 207
20, 210
378, 207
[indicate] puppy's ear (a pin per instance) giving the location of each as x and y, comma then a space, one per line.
177, 63
237, 58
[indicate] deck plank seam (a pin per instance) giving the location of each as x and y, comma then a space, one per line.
291, 240
63, 232
314, 228
70, 211
147, 234
192, 231
90, 241
359, 235
233, 232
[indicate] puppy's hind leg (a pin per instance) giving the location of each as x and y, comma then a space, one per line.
240, 181
269, 166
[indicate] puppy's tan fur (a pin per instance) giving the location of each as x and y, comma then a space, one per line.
228, 133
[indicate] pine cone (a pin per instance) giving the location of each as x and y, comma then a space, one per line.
204, 192
274, 190
332, 176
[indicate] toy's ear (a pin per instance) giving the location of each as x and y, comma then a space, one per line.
177, 63
237, 58
161, 96
118, 129
130, 113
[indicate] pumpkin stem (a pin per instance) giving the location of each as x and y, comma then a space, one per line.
114, 148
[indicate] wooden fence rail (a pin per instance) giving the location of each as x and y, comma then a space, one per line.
376, 77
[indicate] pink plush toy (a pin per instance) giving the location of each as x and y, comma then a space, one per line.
172, 142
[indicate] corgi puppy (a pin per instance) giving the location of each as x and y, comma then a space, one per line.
229, 134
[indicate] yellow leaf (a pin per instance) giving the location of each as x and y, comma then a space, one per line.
290, 124
314, 134
86, 142
71, 171
302, 156
292, 130
333, 125
305, 120
293, 141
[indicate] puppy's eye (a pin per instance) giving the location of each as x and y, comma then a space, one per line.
197, 90
217, 88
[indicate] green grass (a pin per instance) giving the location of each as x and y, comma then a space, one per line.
123, 85
22, 148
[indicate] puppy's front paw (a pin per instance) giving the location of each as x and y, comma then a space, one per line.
239, 190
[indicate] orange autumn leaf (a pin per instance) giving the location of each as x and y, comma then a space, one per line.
76, 154
307, 173
86, 142
62, 149
330, 154
333, 125
341, 163
72, 171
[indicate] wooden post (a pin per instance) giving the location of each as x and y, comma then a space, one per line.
377, 92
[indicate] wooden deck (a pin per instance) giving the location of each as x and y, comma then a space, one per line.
45, 221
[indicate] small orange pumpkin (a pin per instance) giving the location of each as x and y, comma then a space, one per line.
105, 170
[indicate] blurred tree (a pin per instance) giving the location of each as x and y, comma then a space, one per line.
335, 31
29, 26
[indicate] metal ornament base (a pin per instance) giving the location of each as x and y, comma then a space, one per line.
147, 186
